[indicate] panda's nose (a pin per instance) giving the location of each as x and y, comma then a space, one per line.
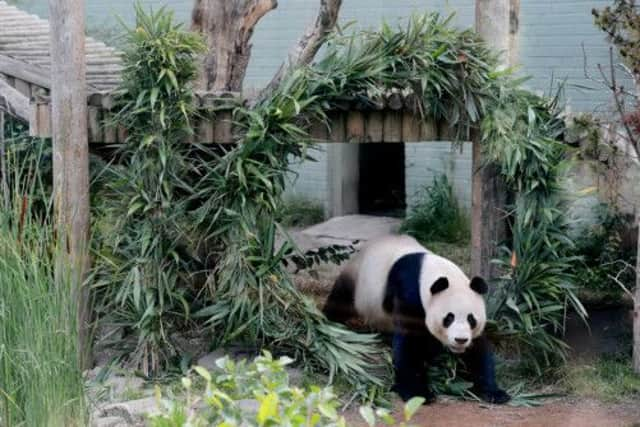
462, 340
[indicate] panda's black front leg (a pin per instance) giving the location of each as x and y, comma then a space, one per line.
481, 365
409, 367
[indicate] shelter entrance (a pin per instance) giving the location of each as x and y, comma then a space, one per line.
381, 184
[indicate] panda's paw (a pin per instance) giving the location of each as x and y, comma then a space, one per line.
408, 393
497, 396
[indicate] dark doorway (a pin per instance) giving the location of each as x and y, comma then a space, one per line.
381, 188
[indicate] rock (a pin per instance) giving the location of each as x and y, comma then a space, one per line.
296, 376
120, 386
133, 411
346, 229
109, 422
208, 361
193, 343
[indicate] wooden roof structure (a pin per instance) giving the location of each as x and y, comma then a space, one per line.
25, 60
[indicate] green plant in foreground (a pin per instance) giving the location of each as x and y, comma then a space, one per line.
437, 215
40, 379
259, 394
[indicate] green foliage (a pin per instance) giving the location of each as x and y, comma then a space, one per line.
437, 216
299, 211
450, 71
40, 379
259, 394
521, 136
143, 268
605, 255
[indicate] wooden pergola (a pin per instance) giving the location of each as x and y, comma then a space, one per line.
25, 90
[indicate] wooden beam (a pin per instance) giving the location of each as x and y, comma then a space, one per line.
22, 70
13, 102
71, 156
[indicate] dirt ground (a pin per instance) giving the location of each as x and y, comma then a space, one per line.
560, 413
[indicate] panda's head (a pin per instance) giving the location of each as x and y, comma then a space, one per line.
456, 312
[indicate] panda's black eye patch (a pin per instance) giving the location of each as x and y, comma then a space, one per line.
448, 320
472, 321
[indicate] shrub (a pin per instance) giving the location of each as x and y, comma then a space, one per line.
144, 267
537, 286
259, 394
437, 216
605, 255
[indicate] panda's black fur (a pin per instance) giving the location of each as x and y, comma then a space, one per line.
414, 346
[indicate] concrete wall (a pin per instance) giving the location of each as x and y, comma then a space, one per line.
552, 33
428, 160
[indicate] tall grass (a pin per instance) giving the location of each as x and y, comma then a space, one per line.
40, 379
437, 215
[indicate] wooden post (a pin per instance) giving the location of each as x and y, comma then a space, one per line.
636, 309
488, 227
71, 154
3, 165
488, 221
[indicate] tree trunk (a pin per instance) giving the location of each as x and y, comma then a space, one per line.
636, 309
310, 43
71, 155
227, 26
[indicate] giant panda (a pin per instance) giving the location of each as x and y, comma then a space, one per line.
428, 305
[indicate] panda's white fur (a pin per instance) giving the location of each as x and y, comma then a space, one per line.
369, 271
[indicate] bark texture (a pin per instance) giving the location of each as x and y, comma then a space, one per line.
305, 50
227, 26
71, 154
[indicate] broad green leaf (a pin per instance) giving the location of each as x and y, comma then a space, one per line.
412, 406
203, 373
367, 414
268, 408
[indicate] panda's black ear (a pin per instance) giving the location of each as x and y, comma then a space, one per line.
439, 285
479, 285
